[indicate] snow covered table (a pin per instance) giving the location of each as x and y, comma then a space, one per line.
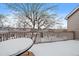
14, 46
61, 48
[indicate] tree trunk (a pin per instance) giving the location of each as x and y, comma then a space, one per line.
33, 29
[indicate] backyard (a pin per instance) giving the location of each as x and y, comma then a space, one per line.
39, 29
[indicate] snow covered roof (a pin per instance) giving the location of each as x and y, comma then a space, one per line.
72, 12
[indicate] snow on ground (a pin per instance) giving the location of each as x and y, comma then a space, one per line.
61, 48
14, 46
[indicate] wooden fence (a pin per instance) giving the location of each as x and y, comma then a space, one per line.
13, 34
47, 36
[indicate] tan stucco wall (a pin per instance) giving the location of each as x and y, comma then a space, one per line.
73, 22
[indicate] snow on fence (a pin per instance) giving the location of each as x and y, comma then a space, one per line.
54, 36
41, 37
13, 34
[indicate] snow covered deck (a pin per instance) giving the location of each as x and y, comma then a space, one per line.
14, 46
61, 48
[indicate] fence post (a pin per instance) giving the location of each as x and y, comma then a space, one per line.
74, 35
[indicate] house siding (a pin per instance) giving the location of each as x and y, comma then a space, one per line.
73, 22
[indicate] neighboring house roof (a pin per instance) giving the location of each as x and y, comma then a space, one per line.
71, 13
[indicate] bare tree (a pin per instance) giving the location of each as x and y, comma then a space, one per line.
2, 20
34, 15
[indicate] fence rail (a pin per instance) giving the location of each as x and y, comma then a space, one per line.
13, 34
41, 37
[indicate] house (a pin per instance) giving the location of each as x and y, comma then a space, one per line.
73, 22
